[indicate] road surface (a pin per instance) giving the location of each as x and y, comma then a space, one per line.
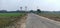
35, 21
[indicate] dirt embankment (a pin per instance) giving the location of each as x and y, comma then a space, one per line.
19, 23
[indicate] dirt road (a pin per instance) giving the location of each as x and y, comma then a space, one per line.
35, 21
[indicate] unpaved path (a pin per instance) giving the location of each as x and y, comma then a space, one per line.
20, 24
36, 21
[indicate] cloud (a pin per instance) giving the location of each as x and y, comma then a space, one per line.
46, 5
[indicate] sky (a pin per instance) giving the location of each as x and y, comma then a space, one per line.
44, 5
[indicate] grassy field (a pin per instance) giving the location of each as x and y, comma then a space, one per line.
8, 18
53, 16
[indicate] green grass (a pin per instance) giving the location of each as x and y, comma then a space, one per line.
53, 16
10, 14
7, 18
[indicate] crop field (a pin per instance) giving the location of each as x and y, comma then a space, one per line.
53, 16
8, 18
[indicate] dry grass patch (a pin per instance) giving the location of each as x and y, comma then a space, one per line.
53, 16
6, 19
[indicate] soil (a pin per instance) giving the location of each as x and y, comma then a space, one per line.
19, 24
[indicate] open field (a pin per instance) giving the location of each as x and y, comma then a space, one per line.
53, 16
7, 18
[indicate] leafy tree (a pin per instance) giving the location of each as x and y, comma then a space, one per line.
31, 10
18, 10
3, 11
38, 10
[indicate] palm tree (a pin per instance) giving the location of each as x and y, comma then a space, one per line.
21, 8
25, 7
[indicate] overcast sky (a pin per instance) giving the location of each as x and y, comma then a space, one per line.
45, 5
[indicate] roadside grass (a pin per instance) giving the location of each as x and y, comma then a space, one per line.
7, 18
53, 16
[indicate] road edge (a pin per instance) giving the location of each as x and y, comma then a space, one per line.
52, 21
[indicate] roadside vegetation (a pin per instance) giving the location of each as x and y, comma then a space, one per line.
53, 16
7, 19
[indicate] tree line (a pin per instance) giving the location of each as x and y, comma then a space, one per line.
18, 11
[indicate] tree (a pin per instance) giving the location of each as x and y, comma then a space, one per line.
31, 10
3, 11
17, 10
25, 7
38, 10
21, 8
